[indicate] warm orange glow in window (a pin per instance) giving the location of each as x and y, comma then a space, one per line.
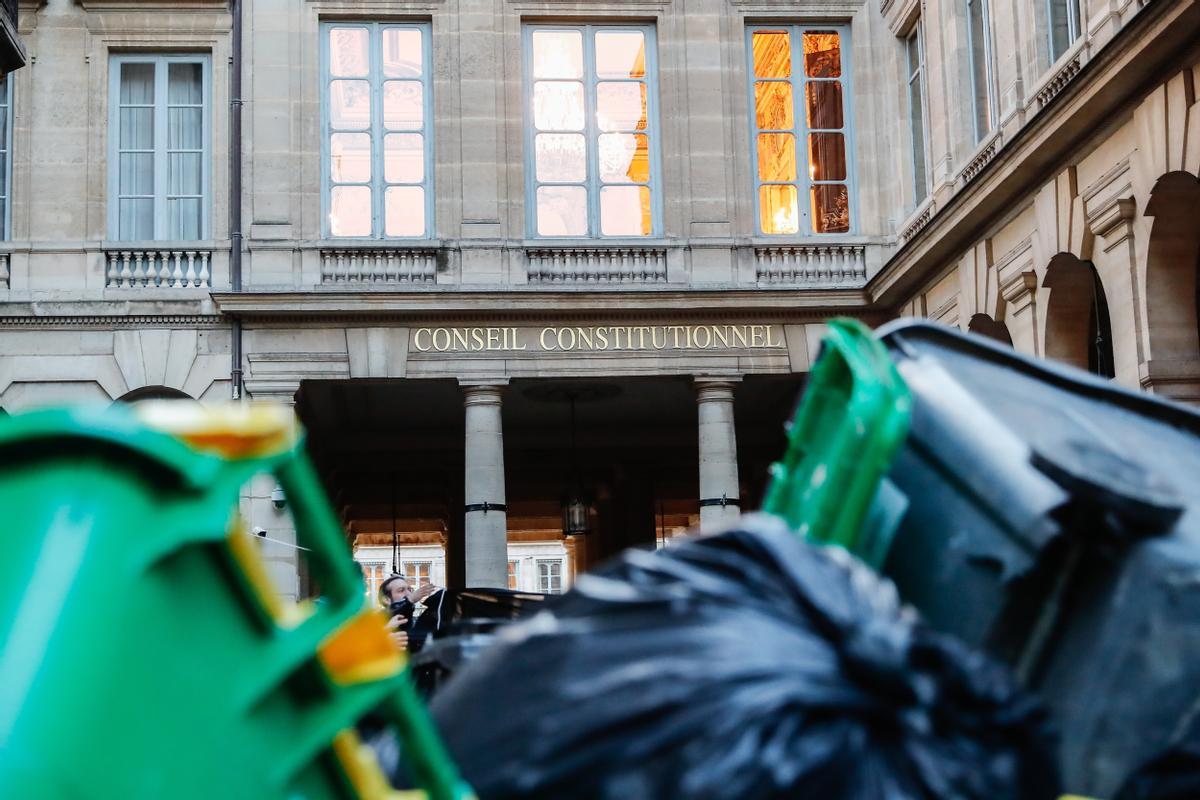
822, 54
772, 54
778, 212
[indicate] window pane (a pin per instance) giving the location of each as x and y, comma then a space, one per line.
183, 173
625, 211
777, 210
976, 31
557, 54
350, 157
822, 54
624, 157
621, 106
560, 157
824, 104
620, 54
136, 223
137, 84
917, 123
912, 50
827, 157
404, 214
830, 209
773, 105
137, 173
402, 53
558, 106
183, 218
404, 158
137, 129
185, 84
403, 105
562, 211
348, 52
776, 157
185, 128
350, 211
772, 54
350, 105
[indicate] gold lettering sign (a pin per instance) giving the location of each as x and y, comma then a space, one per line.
597, 339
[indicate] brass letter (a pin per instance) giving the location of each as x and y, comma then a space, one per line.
542, 338
770, 343
559, 335
739, 332
417, 340
445, 339
514, 340
585, 338
757, 335
654, 332
707, 331
602, 338
493, 338
721, 335
477, 339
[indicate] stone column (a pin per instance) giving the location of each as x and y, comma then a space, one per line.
277, 530
719, 493
486, 526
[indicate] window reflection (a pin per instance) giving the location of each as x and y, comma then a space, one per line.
378, 131
772, 54
592, 176
822, 54
777, 209
800, 150
620, 54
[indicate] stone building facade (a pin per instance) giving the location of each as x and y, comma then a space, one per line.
508, 254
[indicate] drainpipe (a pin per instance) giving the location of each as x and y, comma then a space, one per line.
235, 192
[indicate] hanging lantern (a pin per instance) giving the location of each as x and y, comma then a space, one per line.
576, 515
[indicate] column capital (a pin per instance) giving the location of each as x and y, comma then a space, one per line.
715, 389
481, 393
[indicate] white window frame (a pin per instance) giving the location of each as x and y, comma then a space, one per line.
8, 92
989, 70
591, 131
801, 130
161, 62
551, 562
377, 131
418, 563
920, 189
372, 566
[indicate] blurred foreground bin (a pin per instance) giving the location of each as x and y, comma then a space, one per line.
145, 654
1054, 520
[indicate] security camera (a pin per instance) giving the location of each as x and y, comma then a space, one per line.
277, 497
259, 531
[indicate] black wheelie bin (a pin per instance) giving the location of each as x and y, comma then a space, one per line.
1054, 520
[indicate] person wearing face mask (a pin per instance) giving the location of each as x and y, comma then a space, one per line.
408, 630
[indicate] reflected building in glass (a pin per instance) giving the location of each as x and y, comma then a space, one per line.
542, 280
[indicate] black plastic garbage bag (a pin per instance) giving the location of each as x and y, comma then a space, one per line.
746, 664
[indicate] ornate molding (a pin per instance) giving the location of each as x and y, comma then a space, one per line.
982, 158
914, 227
1019, 288
114, 321
1057, 82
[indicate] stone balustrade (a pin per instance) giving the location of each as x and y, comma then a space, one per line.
597, 265
359, 265
811, 265
161, 266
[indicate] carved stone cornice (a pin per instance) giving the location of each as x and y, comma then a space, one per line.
1019, 289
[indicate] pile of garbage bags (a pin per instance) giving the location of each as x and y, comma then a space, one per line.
747, 664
